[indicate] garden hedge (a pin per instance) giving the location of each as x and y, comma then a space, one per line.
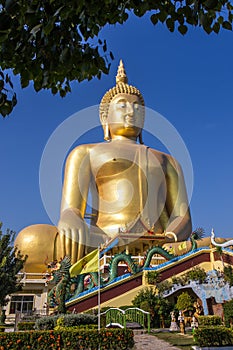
209, 320
228, 313
25, 326
108, 339
213, 336
69, 320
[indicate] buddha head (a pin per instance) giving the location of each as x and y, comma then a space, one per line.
122, 109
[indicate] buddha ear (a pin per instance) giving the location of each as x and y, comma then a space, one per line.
104, 121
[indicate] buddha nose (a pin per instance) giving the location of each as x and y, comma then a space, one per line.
130, 108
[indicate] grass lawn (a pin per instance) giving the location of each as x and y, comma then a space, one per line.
184, 342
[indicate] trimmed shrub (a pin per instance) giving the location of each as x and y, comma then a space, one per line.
213, 336
228, 275
46, 323
164, 286
179, 280
6, 326
69, 320
26, 326
197, 274
184, 302
78, 319
125, 307
210, 320
228, 313
111, 339
81, 327
145, 306
153, 277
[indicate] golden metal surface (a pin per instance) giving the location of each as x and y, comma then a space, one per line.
38, 242
135, 189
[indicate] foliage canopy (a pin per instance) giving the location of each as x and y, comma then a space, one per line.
11, 262
184, 302
228, 313
159, 307
52, 43
228, 275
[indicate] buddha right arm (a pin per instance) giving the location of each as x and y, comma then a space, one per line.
76, 180
72, 227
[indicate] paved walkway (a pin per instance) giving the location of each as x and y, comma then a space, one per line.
150, 342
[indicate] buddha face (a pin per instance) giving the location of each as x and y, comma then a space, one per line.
125, 116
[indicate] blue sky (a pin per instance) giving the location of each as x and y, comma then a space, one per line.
186, 79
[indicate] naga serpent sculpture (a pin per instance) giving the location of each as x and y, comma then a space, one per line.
67, 287
223, 245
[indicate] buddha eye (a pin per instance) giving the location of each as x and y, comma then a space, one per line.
121, 103
136, 106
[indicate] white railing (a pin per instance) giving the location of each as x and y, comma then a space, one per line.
30, 277
156, 260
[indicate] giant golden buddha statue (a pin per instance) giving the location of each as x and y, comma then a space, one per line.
135, 190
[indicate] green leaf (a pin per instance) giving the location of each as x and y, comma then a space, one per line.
210, 4
10, 6
62, 93
230, 17
105, 46
58, 10
162, 15
206, 21
8, 80
220, 19
6, 109
14, 100
4, 35
216, 27
183, 29
36, 29
24, 80
170, 24
3, 98
207, 29
64, 55
229, 6
154, 19
49, 27
54, 90
227, 25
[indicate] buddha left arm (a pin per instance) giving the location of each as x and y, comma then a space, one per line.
179, 224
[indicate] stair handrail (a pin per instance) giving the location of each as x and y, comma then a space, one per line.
119, 316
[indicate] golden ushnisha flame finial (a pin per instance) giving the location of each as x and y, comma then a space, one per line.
121, 74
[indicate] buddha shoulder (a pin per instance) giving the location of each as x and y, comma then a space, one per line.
166, 160
79, 153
